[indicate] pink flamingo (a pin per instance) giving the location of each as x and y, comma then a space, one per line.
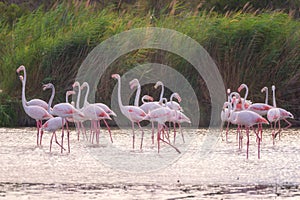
225, 115
32, 102
178, 119
276, 114
249, 119
53, 125
148, 98
134, 113
79, 120
162, 115
146, 106
173, 105
259, 108
97, 113
247, 103
62, 110
36, 112
234, 99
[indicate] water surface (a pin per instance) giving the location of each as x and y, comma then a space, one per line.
117, 171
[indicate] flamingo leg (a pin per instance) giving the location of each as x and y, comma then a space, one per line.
38, 132
51, 140
78, 129
174, 125
98, 131
42, 132
108, 128
152, 136
142, 135
158, 137
247, 132
68, 135
133, 136
83, 130
62, 135
57, 141
273, 133
279, 131
289, 124
92, 131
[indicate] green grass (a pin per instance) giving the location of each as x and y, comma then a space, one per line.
257, 49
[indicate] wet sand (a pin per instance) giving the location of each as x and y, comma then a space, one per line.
207, 168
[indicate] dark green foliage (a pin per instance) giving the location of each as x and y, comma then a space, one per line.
259, 49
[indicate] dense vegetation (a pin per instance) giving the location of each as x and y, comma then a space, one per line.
257, 45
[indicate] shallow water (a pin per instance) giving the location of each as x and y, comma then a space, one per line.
207, 168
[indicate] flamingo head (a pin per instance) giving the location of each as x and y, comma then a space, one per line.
21, 78
84, 84
273, 87
71, 92
264, 89
176, 95
147, 97
234, 96
21, 68
242, 86
134, 83
158, 83
76, 84
228, 91
115, 76
47, 86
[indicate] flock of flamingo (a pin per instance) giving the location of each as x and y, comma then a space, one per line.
245, 114
161, 111
236, 110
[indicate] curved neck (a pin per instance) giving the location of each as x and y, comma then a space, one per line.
161, 93
78, 97
86, 95
137, 95
51, 99
23, 94
143, 99
267, 94
234, 106
228, 95
274, 100
245, 97
119, 93
24, 85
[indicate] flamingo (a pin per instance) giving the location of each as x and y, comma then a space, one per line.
79, 120
173, 105
259, 108
180, 118
233, 113
62, 110
162, 115
134, 113
99, 108
248, 119
225, 115
147, 97
32, 102
76, 118
146, 106
276, 114
247, 103
52, 125
36, 112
